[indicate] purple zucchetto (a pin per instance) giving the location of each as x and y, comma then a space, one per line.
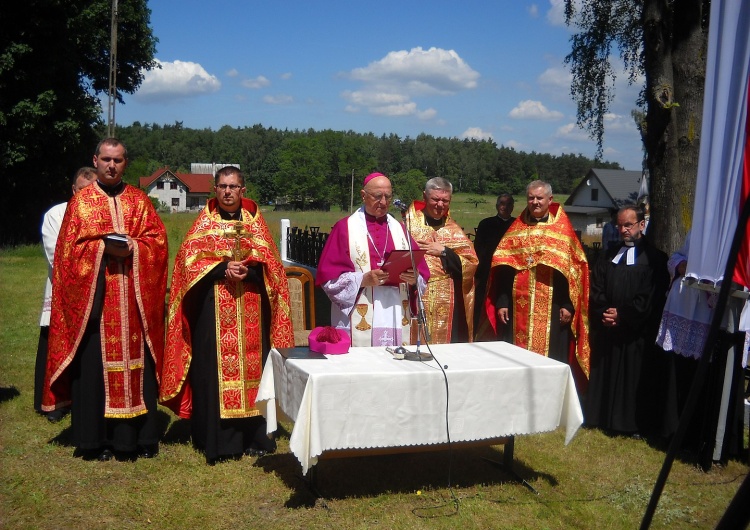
371, 176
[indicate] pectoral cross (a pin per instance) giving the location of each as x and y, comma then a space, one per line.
529, 261
236, 232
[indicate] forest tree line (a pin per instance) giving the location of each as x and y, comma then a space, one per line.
318, 166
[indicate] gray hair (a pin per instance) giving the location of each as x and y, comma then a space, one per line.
438, 183
540, 184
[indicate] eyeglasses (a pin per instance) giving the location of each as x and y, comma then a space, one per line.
380, 196
232, 187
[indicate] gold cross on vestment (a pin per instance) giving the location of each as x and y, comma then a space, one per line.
236, 232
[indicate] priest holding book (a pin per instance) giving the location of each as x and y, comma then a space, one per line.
364, 303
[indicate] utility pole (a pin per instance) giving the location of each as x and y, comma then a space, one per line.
351, 195
112, 73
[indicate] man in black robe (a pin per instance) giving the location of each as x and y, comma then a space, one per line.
229, 305
628, 290
489, 233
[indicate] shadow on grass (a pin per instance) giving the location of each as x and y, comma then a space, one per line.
8, 393
178, 432
370, 476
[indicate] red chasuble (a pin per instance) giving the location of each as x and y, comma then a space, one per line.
239, 328
133, 306
533, 250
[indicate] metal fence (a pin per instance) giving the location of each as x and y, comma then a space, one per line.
305, 245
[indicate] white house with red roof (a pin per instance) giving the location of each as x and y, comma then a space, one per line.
181, 192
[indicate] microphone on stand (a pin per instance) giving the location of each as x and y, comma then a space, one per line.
401, 205
421, 315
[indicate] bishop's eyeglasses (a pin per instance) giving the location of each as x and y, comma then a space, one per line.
377, 197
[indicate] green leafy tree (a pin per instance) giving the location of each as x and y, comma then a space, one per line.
409, 185
54, 64
666, 43
302, 171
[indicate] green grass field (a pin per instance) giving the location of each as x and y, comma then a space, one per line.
595, 482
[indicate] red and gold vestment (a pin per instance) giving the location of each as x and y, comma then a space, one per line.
133, 304
535, 251
239, 323
439, 298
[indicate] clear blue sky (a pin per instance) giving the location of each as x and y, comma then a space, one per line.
447, 68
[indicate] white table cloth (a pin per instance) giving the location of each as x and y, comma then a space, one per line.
367, 399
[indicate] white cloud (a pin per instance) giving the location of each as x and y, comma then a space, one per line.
403, 109
556, 79
534, 110
391, 84
533, 10
426, 114
280, 99
257, 82
374, 99
418, 71
518, 146
556, 13
178, 79
285, 76
571, 131
476, 133
233, 73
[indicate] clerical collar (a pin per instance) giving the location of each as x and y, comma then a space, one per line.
534, 220
111, 189
628, 249
433, 222
230, 216
373, 219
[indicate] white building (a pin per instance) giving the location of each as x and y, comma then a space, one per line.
181, 192
600, 191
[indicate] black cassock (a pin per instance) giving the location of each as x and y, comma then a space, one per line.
218, 437
623, 391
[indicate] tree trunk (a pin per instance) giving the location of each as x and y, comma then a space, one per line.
675, 38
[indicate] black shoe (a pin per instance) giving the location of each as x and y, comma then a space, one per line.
254, 451
57, 415
105, 456
148, 451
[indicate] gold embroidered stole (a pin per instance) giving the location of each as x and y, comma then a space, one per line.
439, 298
239, 344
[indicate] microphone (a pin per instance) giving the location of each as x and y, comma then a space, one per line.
401, 205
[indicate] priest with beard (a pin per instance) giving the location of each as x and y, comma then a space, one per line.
228, 306
628, 289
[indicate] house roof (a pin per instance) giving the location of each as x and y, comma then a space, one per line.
621, 185
194, 182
